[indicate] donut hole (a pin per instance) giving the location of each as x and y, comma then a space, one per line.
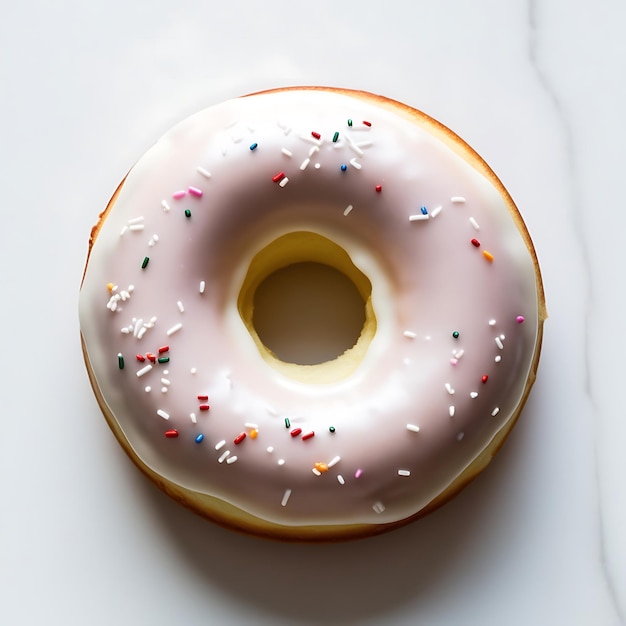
308, 308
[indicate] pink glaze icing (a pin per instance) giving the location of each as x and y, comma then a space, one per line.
185, 381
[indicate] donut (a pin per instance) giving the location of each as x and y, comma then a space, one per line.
311, 313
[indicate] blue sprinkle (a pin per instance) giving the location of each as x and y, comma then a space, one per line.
199, 438
424, 211
253, 146
344, 167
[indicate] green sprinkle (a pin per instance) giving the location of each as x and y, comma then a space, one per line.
163, 359
120, 361
187, 213
287, 422
332, 429
455, 334
349, 122
335, 136
146, 260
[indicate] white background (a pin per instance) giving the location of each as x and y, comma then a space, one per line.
538, 88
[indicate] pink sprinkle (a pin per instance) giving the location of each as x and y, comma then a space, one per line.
194, 191
358, 473
177, 195
454, 361
519, 319
308, 435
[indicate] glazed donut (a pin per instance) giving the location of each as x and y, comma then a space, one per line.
225, 397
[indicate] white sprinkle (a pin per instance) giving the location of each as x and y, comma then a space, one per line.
318, 165
124, 229
419, 217
148, 389
165, 205
502, 337
283, 182
193, 370
347, 210
125, 331
492, 322
495, 411
286, 497
251, 425
163, 414
354, 146
220, 444
144, 370
281, 461
135, 220
378, 507
286, 152
355, 164
451, 410
222, 458
340, 479
316, 471
204, 172
304, 164
403, 472
136, 227
180, 306
498, 359
413, 428
499, 343
449, 389
142, 331
138, 325
270, 449
174, 329
460, 436
410, 334
165, 381
364, 144
313, 150
334, 461
231, 459
194, 420
474, 223
457, 199
163, 389
202, 286
473, 395
434, 212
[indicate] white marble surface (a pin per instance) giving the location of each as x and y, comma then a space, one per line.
538, 88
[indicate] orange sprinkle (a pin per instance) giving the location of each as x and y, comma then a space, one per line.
254, 433
110, 286
488, 256
321, 467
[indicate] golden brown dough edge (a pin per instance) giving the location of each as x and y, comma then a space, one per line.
231, 517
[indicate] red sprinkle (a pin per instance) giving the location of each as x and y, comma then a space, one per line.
379, 188
278, 177
151, 357
140, 357
239, 438
204, 407
308, 435
203, 397
295, 432
171, 434
475, 242
485, 378
316, 135
367, 123
163, 349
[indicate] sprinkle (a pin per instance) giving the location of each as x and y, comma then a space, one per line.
286, 152
349, 122
340, 479
281, 462
492, 322
278, 177
163, 414
343, 167
484, 379
418, 218
239, 438
166, 381
165, 205
367, 123
403, 472
284, 181
378, 188
457, 199
163, 359
202, 286
413, 428
199, 438
348, 209
193, 370
151, 357
451, 410
334, 461
136, 227
174, 329
254, 146
355, 164
495, 411
177, 195
187, 213
331, 429
202, 397
144, 370
449, 389
140, 357
455, 334
287, 422
316, 471
315, 135
203, 172
145, 262
120, 361
378, 507
148, 389
180, 306
194, 191
163, 349
204, 407
222, 458
322, 468
436, 211
520, 319
171, 434
286, 497
220, 444
358, 473
499, 343
193, 418
475, 242
335, 136
488, 256
354, 147
460, 436
123, 231
424, 210
295, 432
308, 435
473, 395
313, 150
254, 433
409, 334
454, 361
231, 459
498, 359
304, 164
474, 223
270, 449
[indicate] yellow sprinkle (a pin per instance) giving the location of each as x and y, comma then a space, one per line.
110, 286
488, 256
254, 433
321, 467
